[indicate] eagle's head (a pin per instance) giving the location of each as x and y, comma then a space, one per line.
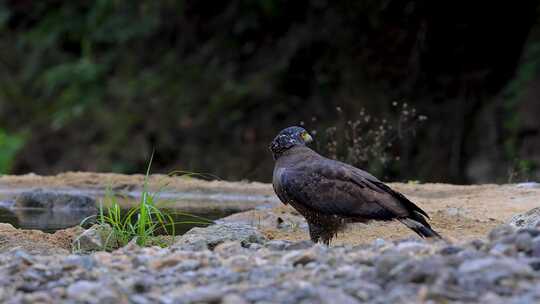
288, 138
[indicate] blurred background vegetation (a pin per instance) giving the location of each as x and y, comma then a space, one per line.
97, 85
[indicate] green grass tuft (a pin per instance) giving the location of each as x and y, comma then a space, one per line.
140, 222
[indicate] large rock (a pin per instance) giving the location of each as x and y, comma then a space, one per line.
44, 199
211, 236
529, 219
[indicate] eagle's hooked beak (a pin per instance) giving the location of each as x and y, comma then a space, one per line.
306, 137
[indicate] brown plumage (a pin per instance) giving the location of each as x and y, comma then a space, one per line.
330, 194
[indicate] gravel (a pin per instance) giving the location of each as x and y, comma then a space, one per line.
236, 264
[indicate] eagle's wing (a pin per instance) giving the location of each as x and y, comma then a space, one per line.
334, 188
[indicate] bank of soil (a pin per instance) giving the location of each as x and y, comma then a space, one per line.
37, 242
85, 180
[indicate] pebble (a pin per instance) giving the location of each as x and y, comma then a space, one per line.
450, 250
501, 231
298, 257
535, 247
413, 248
529, 219
277, 245
524, 242
233, 298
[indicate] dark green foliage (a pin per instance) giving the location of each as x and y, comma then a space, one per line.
9, 146
97, 85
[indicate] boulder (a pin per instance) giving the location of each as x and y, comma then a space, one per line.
45, 199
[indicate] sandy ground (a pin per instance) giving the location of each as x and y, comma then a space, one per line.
87, 180
457, 212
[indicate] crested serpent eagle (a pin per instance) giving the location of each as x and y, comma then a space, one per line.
330, 194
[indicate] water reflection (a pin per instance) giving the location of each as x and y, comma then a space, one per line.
208, 205
51, 220
43, 219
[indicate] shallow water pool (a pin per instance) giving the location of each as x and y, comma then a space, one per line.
48, 220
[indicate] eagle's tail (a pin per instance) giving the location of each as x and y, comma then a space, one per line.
418, 224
